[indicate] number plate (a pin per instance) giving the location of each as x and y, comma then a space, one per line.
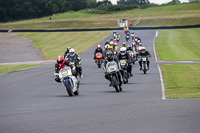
123, 63
72, 63
64, 74
112, 69
144, 59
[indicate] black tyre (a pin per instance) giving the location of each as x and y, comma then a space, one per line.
115, 84
125, 78
69, 88
145, 69
76, 92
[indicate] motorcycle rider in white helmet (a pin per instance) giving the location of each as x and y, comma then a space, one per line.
74, 57
123, 55
144, 53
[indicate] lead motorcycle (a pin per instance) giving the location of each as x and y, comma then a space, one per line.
69, 81
113, 75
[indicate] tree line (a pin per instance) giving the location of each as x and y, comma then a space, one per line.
11, 10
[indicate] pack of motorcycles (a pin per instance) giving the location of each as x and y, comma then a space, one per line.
71, 82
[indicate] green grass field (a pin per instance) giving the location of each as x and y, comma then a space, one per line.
171, 15
179, 45
181, 80
10, 68
54, 44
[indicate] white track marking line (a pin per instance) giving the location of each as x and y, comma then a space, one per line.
162, 83
154, 48
160, 72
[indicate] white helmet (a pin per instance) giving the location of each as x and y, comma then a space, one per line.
123, 50
143, 49
71, 52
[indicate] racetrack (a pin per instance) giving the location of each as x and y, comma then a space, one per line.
31, 101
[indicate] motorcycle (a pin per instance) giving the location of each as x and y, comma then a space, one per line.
69, 81
144, 64
133, 36
132, 55
98, 60
113, 75
114, 35
118, 38
127, 37
76, 67
123, 71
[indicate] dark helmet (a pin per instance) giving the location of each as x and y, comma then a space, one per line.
109, 55
60, 59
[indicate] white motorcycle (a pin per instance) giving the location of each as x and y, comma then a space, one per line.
69, 81
113, 75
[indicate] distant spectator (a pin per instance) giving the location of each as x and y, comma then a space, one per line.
50, 19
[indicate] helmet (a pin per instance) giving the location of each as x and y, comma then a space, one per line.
142, 49
140, 44
98, 46
115, 52
129, 47
138, 41
109, 54
109, 48
60, 59
71, 52
124, 44
123, 50
68, 48
111, 42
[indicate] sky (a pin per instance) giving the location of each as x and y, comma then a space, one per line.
152, 1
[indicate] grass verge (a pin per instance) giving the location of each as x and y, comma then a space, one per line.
181, 80
55, 43
178, 45
170, 15
10, 68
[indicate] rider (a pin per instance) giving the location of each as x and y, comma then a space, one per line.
114, 33
66, 52
124, 55
107, 42
109, 48
117, 37
124, 45
61, 63
98, 50
109, 58
144, 53
129, 48
74, 57
133, 35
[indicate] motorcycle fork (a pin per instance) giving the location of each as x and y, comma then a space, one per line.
144, 64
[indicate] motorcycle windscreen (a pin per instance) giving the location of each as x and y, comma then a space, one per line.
111, 67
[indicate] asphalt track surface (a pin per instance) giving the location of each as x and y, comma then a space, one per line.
32, 102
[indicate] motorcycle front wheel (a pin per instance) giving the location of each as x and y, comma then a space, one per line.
69, 88
145, 69
115, 84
